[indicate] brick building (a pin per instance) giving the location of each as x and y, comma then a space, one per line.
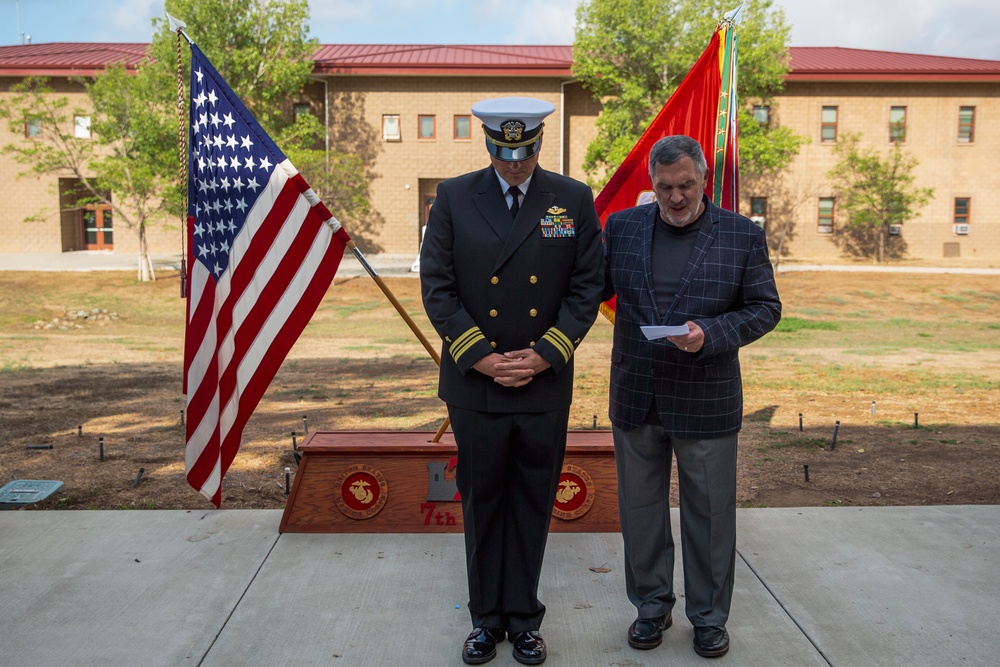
408, 107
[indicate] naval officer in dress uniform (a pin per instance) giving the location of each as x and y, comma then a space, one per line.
511, 273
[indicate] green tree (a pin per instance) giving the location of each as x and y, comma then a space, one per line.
120, 165
876, 193
632, 54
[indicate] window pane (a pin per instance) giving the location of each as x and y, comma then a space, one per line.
34, 128
828, 127
966, 124
390, 128
462, 127
107, 219
825, 215
897, 124
961, 210
426, 127
758, 205
82, 127
300, 109
762, 114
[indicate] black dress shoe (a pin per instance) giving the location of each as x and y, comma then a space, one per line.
711, 642
529, 647
646, 633
481, 645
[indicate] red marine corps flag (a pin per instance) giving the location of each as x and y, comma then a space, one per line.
262, 251
703, 107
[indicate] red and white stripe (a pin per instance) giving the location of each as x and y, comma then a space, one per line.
241, 326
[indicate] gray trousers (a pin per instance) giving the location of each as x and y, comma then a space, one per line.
706, 479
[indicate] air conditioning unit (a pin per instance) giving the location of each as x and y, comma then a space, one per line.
759, 219
962, 229
895, 230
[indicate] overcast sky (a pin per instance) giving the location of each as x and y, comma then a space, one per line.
964, 28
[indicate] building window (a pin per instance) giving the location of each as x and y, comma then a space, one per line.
897, 125
390, 127
762, 114
825, 215
828, 129
300, 109
33, 128
966, 125
962, 206
81, 127
425, 127
758, 210
463, 127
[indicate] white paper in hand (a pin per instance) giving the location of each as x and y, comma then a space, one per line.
656, 332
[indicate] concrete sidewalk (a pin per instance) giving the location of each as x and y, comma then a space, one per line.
814, 586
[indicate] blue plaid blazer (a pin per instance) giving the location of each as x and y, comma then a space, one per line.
727, 289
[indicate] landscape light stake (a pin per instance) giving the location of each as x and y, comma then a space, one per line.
138, 477
182, 419
916, 422
100, 447
305, 426
805, 471
79, 431
873, 408
295, 444
595, 422
833, 443
288, 481
800, 422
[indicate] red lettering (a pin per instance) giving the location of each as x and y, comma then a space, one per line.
429, 508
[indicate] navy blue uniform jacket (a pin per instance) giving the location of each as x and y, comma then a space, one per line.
492, 284
727, 289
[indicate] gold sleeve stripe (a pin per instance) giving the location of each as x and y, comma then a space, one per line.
560, 341
465, 341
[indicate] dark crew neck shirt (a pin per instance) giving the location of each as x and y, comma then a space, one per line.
672, 247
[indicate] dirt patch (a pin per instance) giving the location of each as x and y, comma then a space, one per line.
358, 367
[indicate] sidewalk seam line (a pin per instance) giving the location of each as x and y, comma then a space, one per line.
236, 606
785, 609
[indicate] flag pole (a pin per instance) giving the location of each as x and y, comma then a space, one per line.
406, 317
392, 298
181, 147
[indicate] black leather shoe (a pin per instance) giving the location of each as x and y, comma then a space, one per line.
481, 645
711, 642
529, 647
646, 633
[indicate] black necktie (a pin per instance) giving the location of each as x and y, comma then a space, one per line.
515, 206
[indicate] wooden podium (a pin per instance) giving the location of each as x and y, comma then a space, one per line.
402, 482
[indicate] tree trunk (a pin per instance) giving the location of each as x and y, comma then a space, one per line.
145, 268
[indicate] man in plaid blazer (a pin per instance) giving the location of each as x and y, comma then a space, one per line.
681, 260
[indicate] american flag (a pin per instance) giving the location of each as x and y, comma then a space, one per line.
263, 250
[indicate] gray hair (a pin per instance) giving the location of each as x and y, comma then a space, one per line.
670, 150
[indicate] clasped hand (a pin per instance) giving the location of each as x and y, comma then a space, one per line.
512, 369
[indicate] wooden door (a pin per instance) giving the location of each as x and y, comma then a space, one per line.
98, 230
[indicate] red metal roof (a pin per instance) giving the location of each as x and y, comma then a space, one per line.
808, 63
67, 58
822, 63
438, 59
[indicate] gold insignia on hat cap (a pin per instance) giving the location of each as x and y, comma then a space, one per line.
512, 125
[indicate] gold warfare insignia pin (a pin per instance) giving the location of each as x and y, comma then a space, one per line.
556, 210
512, 130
